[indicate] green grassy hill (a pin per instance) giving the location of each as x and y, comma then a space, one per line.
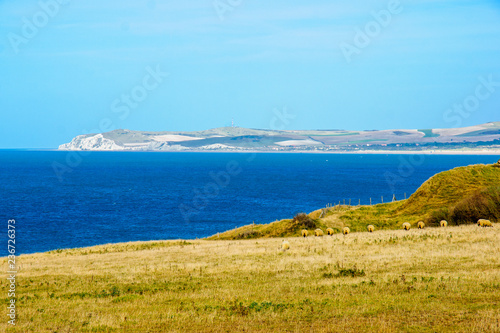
461, 196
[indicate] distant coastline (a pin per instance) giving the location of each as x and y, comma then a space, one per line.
479, 139
361, 152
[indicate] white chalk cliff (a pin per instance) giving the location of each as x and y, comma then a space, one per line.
95, 142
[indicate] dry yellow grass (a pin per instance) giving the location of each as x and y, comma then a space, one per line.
431, 280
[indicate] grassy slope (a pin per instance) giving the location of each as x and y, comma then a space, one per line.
442, 190
431, 280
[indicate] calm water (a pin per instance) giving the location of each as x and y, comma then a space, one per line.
108, 197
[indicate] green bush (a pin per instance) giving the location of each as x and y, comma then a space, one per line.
483, 204
303, 221
437, 215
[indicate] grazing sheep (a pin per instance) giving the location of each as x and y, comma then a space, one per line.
406, 226
329, 231
285, 245
346, 230
421, 225
304, 233
484, 223
370, 228
318, 232
443, 223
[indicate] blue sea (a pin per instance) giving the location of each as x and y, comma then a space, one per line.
74, 199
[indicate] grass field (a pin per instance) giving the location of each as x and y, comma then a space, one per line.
431, 280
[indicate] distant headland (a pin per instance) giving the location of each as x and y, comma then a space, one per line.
478, 139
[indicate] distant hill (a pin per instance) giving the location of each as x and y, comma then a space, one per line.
460, 196
238, 139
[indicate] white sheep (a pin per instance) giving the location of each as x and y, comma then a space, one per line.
484, 223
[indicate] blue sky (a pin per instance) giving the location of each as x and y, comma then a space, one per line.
68, 75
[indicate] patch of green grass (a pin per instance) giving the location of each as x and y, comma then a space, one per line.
350, 272
428, 133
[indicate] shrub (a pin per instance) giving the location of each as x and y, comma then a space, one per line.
303, 221
483, 204
249, 234
436, 216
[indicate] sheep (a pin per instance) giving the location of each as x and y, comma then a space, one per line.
285, 245
443, 223
421, 225
329, 231
318, 232
406, 226
304, 233
484, 223
346, 230
370, 228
